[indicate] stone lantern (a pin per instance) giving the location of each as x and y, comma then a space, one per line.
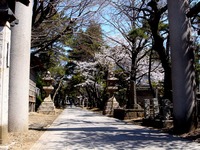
47, 106
111, 82
48, 88
111, 88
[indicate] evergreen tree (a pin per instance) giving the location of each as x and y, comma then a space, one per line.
86, 43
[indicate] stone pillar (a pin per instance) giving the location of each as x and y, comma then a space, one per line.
19, 69
182, 66
4, 80
155, 107
83, 102
147, 112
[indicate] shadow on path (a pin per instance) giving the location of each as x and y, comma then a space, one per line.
80, 129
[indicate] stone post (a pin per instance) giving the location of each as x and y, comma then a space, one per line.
83, 102
4, 80
155, 107
19, 70
147, 112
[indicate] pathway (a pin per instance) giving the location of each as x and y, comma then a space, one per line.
79, 129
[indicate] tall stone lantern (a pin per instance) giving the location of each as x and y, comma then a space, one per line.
47, 106
111, 89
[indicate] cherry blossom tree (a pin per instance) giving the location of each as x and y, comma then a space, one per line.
92, 85
117, 58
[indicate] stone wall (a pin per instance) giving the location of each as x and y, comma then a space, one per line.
126, 114
32, 95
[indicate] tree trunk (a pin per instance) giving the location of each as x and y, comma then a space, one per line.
89, 96
149, 75
160, 49
132, 99
183, 75
158, 46
59, 85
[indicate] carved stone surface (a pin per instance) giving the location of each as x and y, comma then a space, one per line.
155, 107
47, 106
111, 88
147, 108
110, 106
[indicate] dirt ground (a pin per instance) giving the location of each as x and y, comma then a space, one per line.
37, 124
194, 136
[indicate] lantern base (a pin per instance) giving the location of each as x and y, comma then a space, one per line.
47, 107
110, 106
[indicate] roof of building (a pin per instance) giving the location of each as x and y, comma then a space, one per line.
3, 2
25, 2
7, 9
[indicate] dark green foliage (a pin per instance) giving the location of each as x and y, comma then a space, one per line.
38, 102
137, 32
84, 44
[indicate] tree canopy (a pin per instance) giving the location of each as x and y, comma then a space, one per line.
81, 41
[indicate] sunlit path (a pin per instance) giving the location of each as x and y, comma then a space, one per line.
78, 129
